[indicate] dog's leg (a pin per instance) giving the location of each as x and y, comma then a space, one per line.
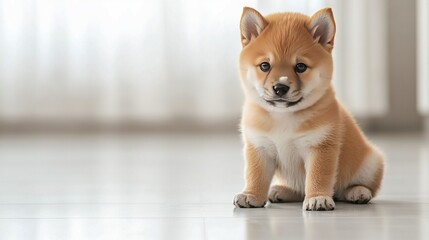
321, 164
366, 181
258, 174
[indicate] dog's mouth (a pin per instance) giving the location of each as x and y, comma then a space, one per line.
276, 102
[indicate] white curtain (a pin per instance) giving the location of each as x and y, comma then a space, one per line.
361, 56
423, 56
119, 60
161, 61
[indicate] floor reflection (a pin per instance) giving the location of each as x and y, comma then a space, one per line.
181, 187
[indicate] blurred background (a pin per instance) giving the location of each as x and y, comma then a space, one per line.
119, 119
166, 65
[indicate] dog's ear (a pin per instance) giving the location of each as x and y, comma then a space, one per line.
322, 27
251, 25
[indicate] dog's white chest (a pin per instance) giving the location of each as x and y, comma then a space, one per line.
289, 149
290, 160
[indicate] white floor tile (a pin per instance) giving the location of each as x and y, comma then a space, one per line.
181, 187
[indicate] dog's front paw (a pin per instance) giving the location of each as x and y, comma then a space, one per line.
319, 203
243, 200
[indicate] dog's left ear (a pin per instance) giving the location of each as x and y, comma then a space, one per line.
322, 27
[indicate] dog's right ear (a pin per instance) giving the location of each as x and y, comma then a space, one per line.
251, 25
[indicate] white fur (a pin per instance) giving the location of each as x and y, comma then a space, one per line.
364, 176
251, 75
265, 149
312, 139
368, 169
286, 147
283, 79
262, 143
312, 92
318, 203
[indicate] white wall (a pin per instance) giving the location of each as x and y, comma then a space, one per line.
423, 59
423, 55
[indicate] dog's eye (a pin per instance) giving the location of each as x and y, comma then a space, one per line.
300, 67
265, 67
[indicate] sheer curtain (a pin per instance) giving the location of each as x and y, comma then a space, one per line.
161, 61
119, 60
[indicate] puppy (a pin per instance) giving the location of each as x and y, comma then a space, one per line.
294, 128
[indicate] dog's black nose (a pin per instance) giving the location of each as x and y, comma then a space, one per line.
280, 89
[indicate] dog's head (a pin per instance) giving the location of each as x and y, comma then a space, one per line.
286, 61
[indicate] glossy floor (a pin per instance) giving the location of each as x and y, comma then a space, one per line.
181, 187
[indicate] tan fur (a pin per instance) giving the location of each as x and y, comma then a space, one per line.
314, 147
376, 182
255, 169
257, 117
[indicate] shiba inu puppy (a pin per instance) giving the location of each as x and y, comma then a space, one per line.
294, 128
